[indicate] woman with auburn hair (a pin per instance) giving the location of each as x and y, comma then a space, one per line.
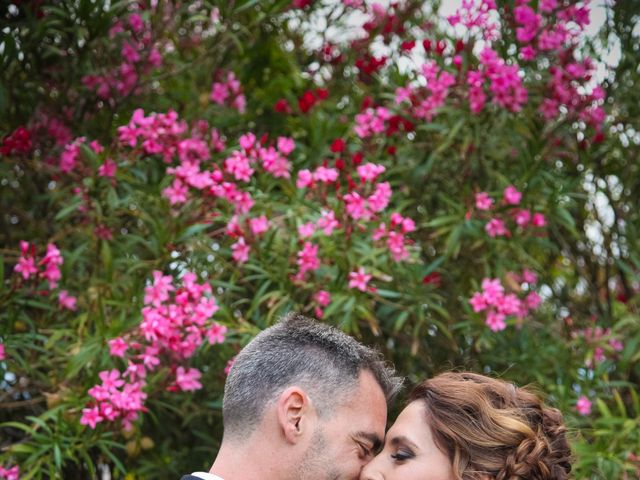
465, 426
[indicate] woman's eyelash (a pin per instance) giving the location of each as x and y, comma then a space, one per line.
400, 456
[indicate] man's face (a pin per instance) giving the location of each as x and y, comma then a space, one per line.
345, 442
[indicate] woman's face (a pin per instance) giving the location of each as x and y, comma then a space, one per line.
409, 451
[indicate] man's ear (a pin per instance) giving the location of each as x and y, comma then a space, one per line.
295, 413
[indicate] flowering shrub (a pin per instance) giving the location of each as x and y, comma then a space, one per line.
455, 188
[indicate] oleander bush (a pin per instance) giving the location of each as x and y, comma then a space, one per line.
459, 188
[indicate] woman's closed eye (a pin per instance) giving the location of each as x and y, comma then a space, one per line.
402, 455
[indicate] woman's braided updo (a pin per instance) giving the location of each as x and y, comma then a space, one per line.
491, 429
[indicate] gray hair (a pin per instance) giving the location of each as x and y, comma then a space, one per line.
298, 351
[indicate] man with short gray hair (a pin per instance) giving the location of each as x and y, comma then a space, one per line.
303, 401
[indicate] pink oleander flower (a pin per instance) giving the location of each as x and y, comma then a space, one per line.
10, 473
308, 258
496, 321
286, 145
396, 245
616, 344
217, 333
495, 227
176, 193
158, 292
306, 230
325, 175
379, 199
247, 141
188, 380
240, 251
229, 365
370, 171
91, 417
533, 300
118, 347
3, 353
322, 297
356, 206
538, 220
512, 196
478, 302
259, 225
492, 290
305, 179
239, 166
583, 406
523, 217
327, 222
26, 267
483, 201
67, 301
359, 279
107, 169
529, 276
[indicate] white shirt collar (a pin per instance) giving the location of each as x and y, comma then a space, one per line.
206, 476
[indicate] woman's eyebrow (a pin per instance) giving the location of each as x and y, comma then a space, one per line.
402, 440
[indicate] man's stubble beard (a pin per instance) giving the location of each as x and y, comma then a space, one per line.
317, 464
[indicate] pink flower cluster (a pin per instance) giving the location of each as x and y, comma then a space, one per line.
232, 180
359, 279
583, 406
10, 473
47, 268
115, 399
603, 342
504, 83
498, 304
556, 23
475, 17
3, 354
395, 233
427, 100
564, 86
371, 121
70, 155
359, 206
322, 299
156, 134
522, 217
176, 320
139, 56
228, 92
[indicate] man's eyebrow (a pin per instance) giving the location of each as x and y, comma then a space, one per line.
375, 440
401, 439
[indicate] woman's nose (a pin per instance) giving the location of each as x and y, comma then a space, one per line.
371, 470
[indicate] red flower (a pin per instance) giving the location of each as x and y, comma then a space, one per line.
306, 101
282, 106
322, 93
338, 145
19, 141
432, 279
408, 45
